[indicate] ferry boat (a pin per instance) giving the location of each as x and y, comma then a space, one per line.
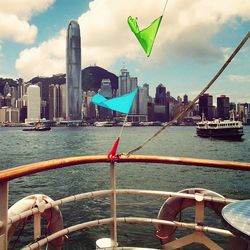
220, 129
42, 208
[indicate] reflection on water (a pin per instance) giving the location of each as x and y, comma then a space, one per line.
18, 147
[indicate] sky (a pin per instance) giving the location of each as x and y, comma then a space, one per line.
194, 40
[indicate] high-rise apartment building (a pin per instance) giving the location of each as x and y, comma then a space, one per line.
33, 104
223, 107
124, 82
206, 106
106, 88
106, 91
54, 102
161, 107
127, 84
89, 108
73, 72
143, 100
185, 99
160, 95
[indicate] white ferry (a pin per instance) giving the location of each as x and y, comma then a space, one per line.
220, 129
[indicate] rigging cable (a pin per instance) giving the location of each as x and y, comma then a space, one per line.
181, 114
164, 7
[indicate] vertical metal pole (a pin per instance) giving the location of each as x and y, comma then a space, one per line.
199, 212
37, 227
4, 189
113, 228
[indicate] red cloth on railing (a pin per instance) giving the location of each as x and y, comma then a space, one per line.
112, 152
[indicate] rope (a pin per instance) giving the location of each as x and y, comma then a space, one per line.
120, 134
164, 7
181, 114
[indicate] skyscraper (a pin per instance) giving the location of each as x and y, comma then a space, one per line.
73, 72
161, 108
34, 104
127, 84
160, 95
223, 107
206, 106
106, 91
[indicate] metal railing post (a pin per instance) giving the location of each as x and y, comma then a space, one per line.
37, 227
4, 189
113, 228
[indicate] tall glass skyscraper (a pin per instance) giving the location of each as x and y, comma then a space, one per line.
73, 72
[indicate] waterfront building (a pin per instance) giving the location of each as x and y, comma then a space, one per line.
243, 110
63, 100
8, 100
9, 115
127, 84
133, 85
206, 106
33, 104
143, 100
6, 89
179, 99
124, 82
185, 99
54, 102
44, 109
106, 91
20, 88
25, 100
232, 106
2, 100
19, 103
223, 107
160, 95
146, 86
161, 107
106, 88
73, 72
89, 108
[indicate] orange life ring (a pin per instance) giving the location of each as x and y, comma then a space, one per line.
174, 205
53, 217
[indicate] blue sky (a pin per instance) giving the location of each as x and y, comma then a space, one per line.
193, 42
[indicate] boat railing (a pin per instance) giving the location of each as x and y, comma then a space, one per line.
197, 226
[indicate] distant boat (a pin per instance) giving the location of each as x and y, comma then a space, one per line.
220, 129
38, 127
104, 124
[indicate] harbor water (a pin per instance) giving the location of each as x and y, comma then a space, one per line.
19, 147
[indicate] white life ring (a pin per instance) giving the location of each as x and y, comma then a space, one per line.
53, 217
174, 205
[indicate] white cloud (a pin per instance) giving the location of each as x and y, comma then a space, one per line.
186, 31
14, 19
239, 78
21, 31
44, 60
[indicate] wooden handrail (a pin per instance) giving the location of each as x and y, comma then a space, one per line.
16, 172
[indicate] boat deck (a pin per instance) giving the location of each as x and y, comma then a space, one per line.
200, 199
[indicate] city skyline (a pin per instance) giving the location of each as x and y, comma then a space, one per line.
184, 57
162, 107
